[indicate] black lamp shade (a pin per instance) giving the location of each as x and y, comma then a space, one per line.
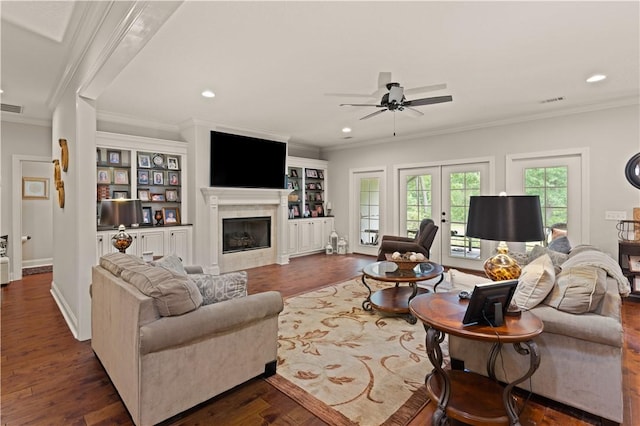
120, 212
505, 218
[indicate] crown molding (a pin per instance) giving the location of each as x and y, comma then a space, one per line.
20, 119
115, 118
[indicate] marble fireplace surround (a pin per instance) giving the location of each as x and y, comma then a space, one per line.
224, 203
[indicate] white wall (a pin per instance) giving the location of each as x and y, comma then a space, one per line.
611, 136
37, 220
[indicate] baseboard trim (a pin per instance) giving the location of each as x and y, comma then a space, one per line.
69, 317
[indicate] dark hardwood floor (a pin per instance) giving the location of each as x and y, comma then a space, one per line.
49, 378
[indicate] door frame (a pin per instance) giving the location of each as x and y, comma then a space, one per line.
354, 209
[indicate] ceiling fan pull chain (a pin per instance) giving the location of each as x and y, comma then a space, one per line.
394, 123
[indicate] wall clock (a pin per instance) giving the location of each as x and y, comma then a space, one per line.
158, 160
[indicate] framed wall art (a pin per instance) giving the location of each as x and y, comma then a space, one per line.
35, 188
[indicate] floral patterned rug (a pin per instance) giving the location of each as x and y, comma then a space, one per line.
349, 366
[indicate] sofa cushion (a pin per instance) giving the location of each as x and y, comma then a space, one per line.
173, 293
579, 289
117, 262
171, 262
560, 244
556, 257
535, 283
216, 288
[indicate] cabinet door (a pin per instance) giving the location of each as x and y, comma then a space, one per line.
292, 240
327, 227
319, 239
100, 246
152, 240
306, 236
109, 248
179, 244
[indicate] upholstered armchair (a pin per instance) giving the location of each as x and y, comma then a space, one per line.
420, 244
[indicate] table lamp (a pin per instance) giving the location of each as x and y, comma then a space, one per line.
504, 218
121, 213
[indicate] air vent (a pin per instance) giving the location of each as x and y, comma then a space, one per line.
11, 108
558, 99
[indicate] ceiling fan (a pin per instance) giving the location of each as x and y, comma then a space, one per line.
394, 99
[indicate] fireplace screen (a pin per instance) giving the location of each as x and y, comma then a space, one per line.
246, 233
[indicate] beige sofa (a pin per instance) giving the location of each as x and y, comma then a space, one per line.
164, 352
581, 354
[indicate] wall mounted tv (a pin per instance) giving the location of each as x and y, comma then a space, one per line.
247, 162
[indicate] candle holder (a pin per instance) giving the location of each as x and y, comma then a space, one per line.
158, 217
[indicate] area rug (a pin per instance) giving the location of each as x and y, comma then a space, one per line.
349, 366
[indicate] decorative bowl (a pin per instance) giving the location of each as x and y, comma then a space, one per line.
402, 263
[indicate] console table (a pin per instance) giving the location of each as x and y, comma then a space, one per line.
491, 402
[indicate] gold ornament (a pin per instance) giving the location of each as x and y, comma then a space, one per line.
64, 154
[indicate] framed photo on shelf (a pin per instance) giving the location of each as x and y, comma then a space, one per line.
290, 185
634, 263
147, 215
312, 173
114, 157
296, 210
144, 195
158, 178
319, 210
172, 163
35, 188
144, 161
307, 212
318, 196
171, 195
118, 195
294, 173
171, 215
296, 186
104, 176
121, 177
158, 197
320, 174
174, 178
143, 177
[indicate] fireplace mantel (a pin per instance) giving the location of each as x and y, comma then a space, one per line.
242, 202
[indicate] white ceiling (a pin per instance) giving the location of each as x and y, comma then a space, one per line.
272, 64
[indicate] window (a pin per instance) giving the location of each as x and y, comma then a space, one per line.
462, 186
369, 210
551, 185
419, 203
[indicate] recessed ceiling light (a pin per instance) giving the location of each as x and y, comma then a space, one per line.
596, 77
208, 94
346, 129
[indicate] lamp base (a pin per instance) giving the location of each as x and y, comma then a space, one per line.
501, 267
121, 241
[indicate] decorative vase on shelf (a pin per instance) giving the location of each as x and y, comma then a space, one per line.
158, 217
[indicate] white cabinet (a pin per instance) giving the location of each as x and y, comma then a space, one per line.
308, 235
161, 241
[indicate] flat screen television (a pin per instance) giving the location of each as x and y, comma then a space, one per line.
489, 302
247, 162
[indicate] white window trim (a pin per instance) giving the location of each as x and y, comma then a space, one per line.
583, 154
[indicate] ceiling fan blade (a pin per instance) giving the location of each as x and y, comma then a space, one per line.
423, 89
361, 105
413, 111
428, 101
383, 79
373, 114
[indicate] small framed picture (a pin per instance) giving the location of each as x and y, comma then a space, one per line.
320, 174
158, 178
296, 210
634, 263
171, 215
172, 163
104, 175
144, 195
35, 188
294, 173
319, 210
144, 161
171, 195
174, 178
312, 173
118, 195
143, 177
147, 215
307, 213
158, 197
114, 157
121, 177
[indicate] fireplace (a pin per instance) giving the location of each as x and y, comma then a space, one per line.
245, 233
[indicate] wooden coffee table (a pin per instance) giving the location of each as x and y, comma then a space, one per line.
466, 396
396, 299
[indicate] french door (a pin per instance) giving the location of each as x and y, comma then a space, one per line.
442, 194
367, 195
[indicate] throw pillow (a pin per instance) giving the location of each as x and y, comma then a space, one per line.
521, 258
560, 244
117, 262
172, 293
579, 289
217, 288
535, 283
556, 257
171, 262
